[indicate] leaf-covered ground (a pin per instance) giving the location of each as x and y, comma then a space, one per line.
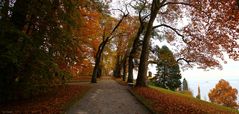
167, 102
55, 103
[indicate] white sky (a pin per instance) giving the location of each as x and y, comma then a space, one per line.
230, 70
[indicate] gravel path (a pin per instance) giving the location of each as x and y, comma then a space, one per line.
108, 97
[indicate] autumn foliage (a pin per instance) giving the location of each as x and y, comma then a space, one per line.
224, 94
213, 30
52, 103
171, 103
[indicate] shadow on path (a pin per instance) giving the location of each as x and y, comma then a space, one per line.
108, 97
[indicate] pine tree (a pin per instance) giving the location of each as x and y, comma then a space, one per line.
199, 93
168, 73
185, 85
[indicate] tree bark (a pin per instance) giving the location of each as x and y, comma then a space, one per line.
19, 14
125, 66
125, 72
118, 66
130, 70
96, 70
5, 10
133, 52
143, 66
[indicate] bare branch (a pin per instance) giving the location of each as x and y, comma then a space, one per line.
118, 24
177, 3
121, 11
144, 2
174, 29
140, 43
183, 59
140, 11
152, 62
145, 17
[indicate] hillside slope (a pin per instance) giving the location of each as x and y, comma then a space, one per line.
163, 101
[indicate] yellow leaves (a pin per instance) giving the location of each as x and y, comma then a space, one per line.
91, 24
224, 94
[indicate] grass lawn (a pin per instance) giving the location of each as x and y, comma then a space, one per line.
164, 101
56, 103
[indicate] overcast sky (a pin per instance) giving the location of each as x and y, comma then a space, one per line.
230, 70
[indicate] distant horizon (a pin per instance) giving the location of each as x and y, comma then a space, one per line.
207, 85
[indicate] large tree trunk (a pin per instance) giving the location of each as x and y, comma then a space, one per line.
143, 66
133, 52
118, 66
5, 10
125, 66
19, 14
130, 70
96, 71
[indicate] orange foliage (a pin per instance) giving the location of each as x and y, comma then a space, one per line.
213, 30
89, 35
126, 33
224, 94
173, 104
49, 104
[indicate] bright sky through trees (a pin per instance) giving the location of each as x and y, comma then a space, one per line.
229, 71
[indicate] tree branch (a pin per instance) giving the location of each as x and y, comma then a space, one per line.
118, 24
144, 2
145, 17
174, 29
152, 62
183, 59
140, 43
176, 3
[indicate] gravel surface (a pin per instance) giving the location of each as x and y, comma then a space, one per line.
108, 97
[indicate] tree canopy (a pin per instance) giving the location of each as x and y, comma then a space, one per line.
224, 94
46, 42
168, 73
208, 31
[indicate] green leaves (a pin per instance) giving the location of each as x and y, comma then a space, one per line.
168, 73
37, 48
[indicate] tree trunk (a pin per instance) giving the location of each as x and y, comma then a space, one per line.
5, 10
130, 70
132, 53
101, 49
19, 13
143, 66
117, 69
125, 66
96, 70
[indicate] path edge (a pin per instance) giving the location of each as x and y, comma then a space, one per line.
141, 101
